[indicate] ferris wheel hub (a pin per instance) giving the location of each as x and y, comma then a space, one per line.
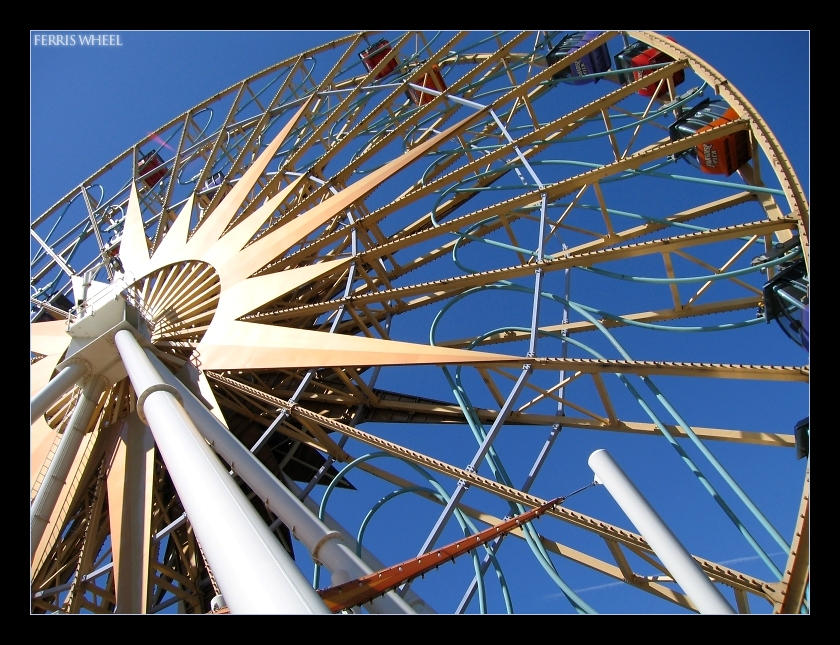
92, 336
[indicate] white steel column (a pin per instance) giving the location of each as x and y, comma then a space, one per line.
56, 476
60, 383
671, 552
369, 558
324, 544
255, 573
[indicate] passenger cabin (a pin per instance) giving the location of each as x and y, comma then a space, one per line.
721, 156
374, 54
432, 79
150, 168
802, 434
786, 302
595, 61
210, 188
638, 54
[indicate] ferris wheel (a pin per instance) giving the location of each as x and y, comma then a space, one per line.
394, 292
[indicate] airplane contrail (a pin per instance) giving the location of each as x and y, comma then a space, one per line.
607, 585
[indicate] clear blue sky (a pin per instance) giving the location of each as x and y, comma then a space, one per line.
89, 104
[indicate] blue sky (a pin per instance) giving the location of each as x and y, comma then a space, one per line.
89, 104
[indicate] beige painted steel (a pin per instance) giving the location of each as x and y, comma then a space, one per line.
134, 251
210, 300
245, 296
660, 315
227, 346
436, 290
797, 575
130, 481
550, 131
63, 503
177, 233
43, 441
85, 410
215, 224
603, 529
621, 570
76, 597
766, 139
137, 261
48, 337
283, 238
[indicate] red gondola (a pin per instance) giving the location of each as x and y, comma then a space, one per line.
375, 53
638, 54
146, 168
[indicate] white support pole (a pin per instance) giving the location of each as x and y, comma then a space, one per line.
324, 544
677, 560
255, 573
45, 499
369, 559
60, 383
